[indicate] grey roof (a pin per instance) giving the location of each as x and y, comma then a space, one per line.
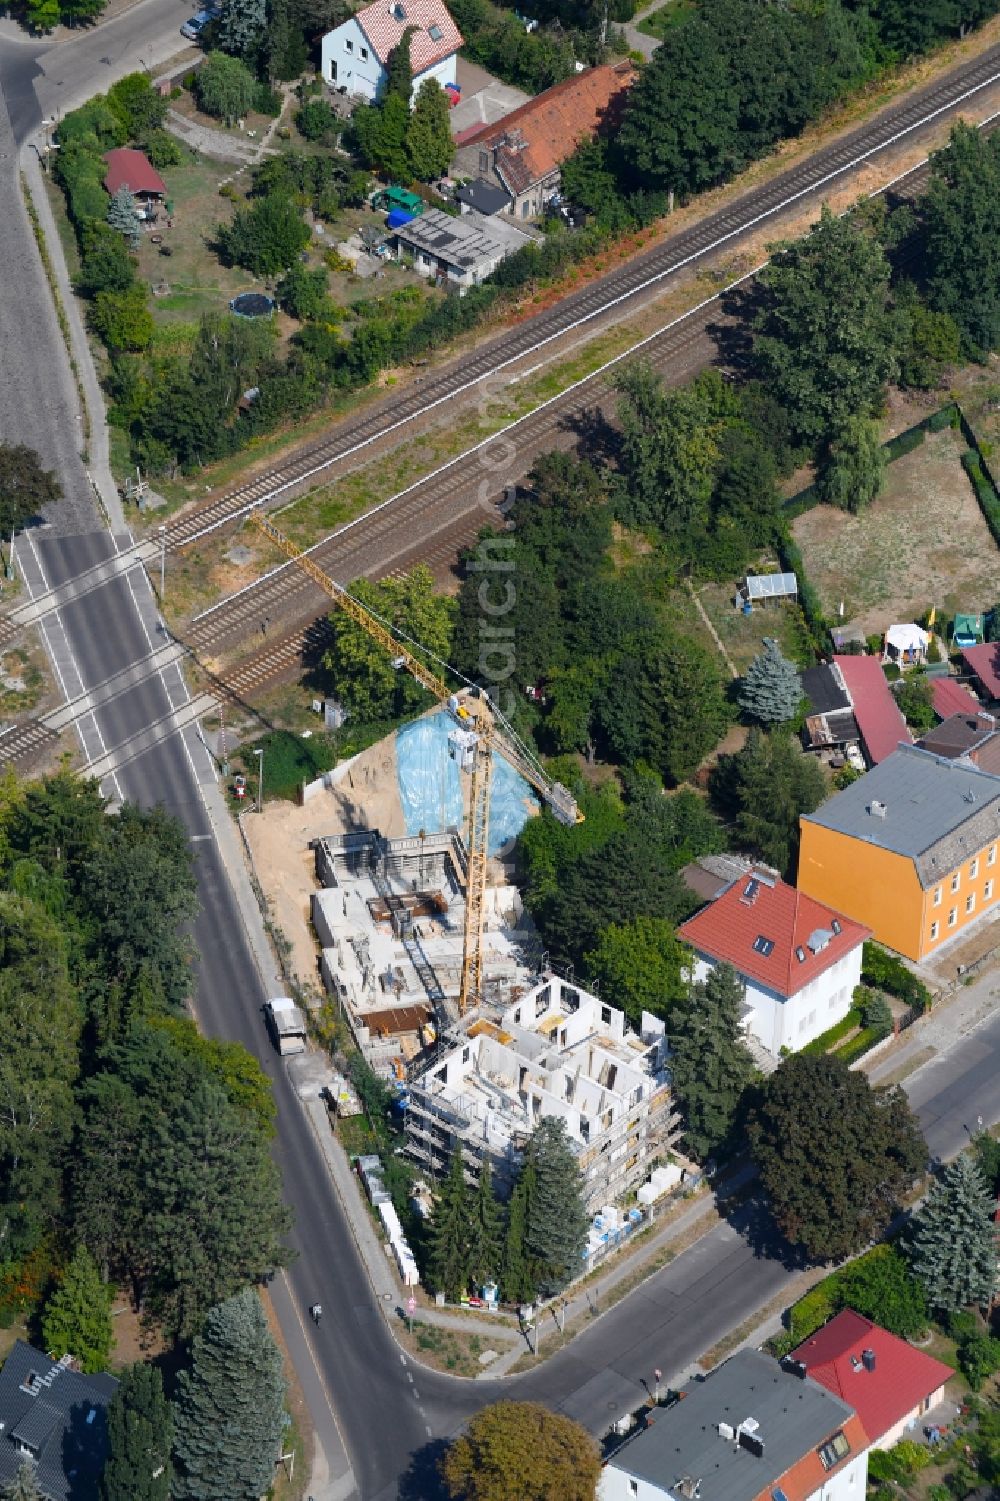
59, 1414
771, 585
484, 196
824, 687
935, 811
794, 1415
464, 241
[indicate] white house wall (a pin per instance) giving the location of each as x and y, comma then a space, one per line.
790, 1022
348, 61
618, 1485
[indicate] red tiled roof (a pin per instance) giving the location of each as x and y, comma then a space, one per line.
949, 697
132, 169
384, 23
880, 722
535, 139
984, 660
807, 1476
727, 929
903, 1377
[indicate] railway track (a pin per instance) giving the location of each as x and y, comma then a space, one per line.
643, 274
23, 742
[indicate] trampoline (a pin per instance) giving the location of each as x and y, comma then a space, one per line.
252, 305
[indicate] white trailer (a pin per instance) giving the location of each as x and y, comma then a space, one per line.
287, 1024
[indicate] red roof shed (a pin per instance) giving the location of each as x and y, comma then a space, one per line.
878, 717
984, 663
949, 697
133, 169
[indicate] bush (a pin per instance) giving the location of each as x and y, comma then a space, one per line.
268, 101
289, 761
978, 1358
122, 319
225, 87
900, 1463
317, 121
825, 1041
875, 1011
883, 971
942, 419
162, 149
266, 237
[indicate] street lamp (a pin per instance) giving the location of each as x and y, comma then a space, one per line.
260, 780
163, 562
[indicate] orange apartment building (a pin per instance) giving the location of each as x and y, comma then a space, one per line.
910, 849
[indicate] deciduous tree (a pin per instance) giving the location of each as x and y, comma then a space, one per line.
961, 215
852, 465
770, 692
835, 1155
77, 1317
229, 1412
225, 87
267, 236
522, 1449
953, 1244
639, 966
25, 487
140, 1439
361, 670
710, 1064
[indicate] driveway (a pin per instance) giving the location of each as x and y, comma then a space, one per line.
484, 98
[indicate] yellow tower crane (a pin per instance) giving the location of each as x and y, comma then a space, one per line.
479, 731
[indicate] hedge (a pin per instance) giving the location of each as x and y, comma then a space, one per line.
883, 971
989, 501
825, 1041
860, 1045
905, 442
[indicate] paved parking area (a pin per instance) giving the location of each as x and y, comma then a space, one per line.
484, 98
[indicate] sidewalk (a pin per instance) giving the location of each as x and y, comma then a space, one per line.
637, 40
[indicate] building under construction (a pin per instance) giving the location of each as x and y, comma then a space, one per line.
390, 920
554, 1051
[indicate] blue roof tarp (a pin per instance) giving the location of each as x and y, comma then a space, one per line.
430, 787
398, 217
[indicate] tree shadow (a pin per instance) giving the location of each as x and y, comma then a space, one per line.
733, 337
753, 1221
597, 438
421, 1480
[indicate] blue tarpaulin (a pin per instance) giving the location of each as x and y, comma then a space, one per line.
430, 787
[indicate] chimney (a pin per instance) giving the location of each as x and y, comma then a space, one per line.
868, 1359
877, 809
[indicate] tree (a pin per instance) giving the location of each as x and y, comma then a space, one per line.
25, 487
124, 216
318, 122
770, 692
668, 708
881, 1287
640, 966
823, 345
240, 28
852, 466
428, 135
927, 342
24, 1486
106, 265
266, 237
953, 1239
916, 702
303, 292
399, 72
522, 1449
122, 319
556, 1227
225, 87
517, 1276
834, 1155
362, 673
710, 1064
140, 1439
380, 134
448, 1251
229, 1412
961, 215
485, 1231
139, 106
77, 1317
764, 789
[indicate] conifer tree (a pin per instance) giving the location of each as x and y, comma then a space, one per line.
517, 1278
229, 1412
77, 1317
556, 1230
953, 1239
140, 1435
240, 27
428, 135
399, 73
123, 216
770, 693
485, 1231
449, 1232
24, 1486
709, 1062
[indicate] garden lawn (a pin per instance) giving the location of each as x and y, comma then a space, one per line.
659, 22
743, 635
289, 760
923, 542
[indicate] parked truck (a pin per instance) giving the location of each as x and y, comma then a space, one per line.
287, 1024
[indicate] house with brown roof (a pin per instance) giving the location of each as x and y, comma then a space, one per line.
798, 959
354, 57
523, 153
982, 662
128, 168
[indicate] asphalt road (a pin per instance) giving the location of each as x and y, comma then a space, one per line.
390, 1413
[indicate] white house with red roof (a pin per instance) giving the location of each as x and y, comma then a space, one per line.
355, 55
890, 1385
799, 960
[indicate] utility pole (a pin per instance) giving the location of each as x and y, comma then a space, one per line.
260, 780
163, 562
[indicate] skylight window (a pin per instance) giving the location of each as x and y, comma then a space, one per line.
762, 945
434, 32
834, 1450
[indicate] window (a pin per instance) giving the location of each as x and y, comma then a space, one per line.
525, 209
987, 891
434, 32
974, 869
484, 161
956, 878
970, 902
633, 1487
348, 45
606, 1016
333, 70
762, 945
935, 929
991, 855
952, 917
937, 896
364, 54
834, 1450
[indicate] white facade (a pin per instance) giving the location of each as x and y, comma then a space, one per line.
779, 1021
618, 1485
349, 61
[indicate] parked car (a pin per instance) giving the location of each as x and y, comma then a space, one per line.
193, 29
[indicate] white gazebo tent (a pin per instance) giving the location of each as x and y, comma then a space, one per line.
906, 644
